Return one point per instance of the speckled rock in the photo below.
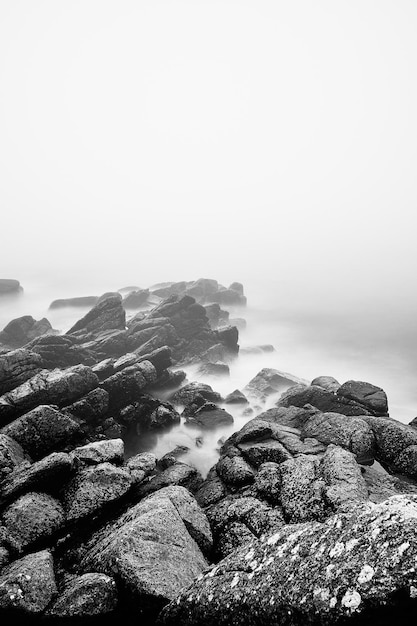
(327, 382)
(17, 366)
(33, 517)
(392, 440)
(326, 401)
(140, 466)
(11, 456)
(180, 474)
(92, 407)
(108, 451)
(187, 393)
(27, 585)
(92, 488)
(235, 471)
(42, 430)
(268, 482)
(358, 565)
(343, 477)
(374, 398)
(257, 453)
(212, 489)
(85, 596)
(302, 489)
(105, 315)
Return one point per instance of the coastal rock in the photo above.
(23, 329)
(111, 451)
(214, 370)
(372, 397)
(228, 297)
(11, 456)
(27, 585)
(188, 393)
(395, 443)
(149, 549)
(236, 397)
(179, 474)
(48, 474)
(85, 596)
(268, 382)
(140, 466)
(32, 518)
(357, 566)
(235, 471)
(326, 401)
(209, 418)
(108, 314)
(216, 315)
(148, 413)
(42, 430)
(9, 285)
(229, 336)
(127, 385)
(59, 351)
(16, 367)
(135, 299)
(92, 407)
(326, 382)
(80, 301)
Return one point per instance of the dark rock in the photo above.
(236, 397)
(267, 382)
(58, 387)
(21, 330)
(357, 567)
(140, 466)
(16, 367)
(160, 358)
(128, 384)
(28, 584)
(42, 430)
(187, 394)
(108, 314)
(235, 471)
(343, 477)
(11, 456)
(85, 596)
(257, 453)
(59, 351)
(81, 301)
(180, 474)
(373, 398)
(149, 413)
(111, 451)
(229, 336)
(209, 418)
(149, 549)
(32, 518)
(268, 482)
(324, 400)
(92, 488)
(45, 475)
(136, 299)
(125, 361)
(392, 442)
(108, 343)
(112, 429)
(212, 490)
(382, 485)
(92, 407)
(326, 382)
(170, 379)
(9, 285)
(170, 458)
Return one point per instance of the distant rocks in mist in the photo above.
(10, 286)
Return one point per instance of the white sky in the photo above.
(233, 139)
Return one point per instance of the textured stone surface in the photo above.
(111, 451)
(84, 596)
(17, 366)
(11, 456)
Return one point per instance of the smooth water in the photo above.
(369, 343)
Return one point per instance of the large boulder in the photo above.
(42, 430)
(59, 351)
(27, 585)
(108, 314)
(396, 445)
(189, 392)
(372, 397)
(16, 367)
(128, 384)
(23, 329)
(357, 566)
(58, 387)
(85, 596)
(268, 382)
(179, 474)
(149, 549)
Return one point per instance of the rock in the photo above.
(85, 596)
(11, 456)
(180, 474)
(262, 349)
(92, 407)
(28, 585)
(23, 329)
(92, 488)
(107, 343)
(111, 451)
(352, 433)
(9, 285)
(268, 482)
(148, 413)
(302, 490)
(228, 297)
(32, 518)
(81, 301)
(235, 471)
(42, 430)
(269, 381)
(382, 485)
(125, 361)
(202, 289)
(326, 382)
(236, 397)
(160, 359)
(257, 453)
(149, 550)
(326, 401)
(216, 315)
(49, 474)
(229, 336)
(55, 387)
(105, 315)
(59, 351)
(214, 369)
(140, 466)
(16, 367)
(392, 441)
(104, 369)
(128, 384)
(373, 398)
(210, 419)
(170, 458)
(135, 299)
(343, 476)
(357, 566)
(212, 490)
(187, 393)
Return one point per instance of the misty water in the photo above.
(320, 336)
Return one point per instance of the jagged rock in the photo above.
(140, 466)
(154, 553)
(92, 407)
(108, 343)
(373, 398)
(395, 444)
(343, 476)
(104, 369)
(160, 358)
(32, 518)
(127, 385)
(27, 585)
(136, 299)
(170, 458)
(94, 487)
(187, 394)
(58, 387)
(180, 474)
(9, 285)
(149, 413)
(85, 596)
(302, 490)
(170, 379)
(11, 456)
(357, 566)
(212, 489)
(382, 485)
(214, 369)
(326, 401)
(326, 382)
(45, 475)
(352, 433)
(229, 336)
(269, 381)
(216, 315)
(209, 417)
(236, 397)
(235, 471)
(16, 367)
(108, 314)
(23, 329)
(80, 301)
(111, 451)
(42, 430)
(59, 351)
(125, 361)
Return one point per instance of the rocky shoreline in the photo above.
(309, 516)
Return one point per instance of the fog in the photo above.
(274, 143)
